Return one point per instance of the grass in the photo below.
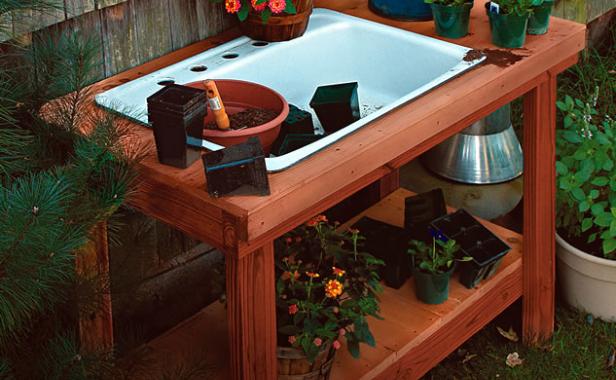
(580, 349)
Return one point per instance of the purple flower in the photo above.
(437, 234)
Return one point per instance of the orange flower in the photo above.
(312, 275)
(277, 6)
(233, 6)
(338, 272)
(317, 342)
(292, 339)
(317, 219)
(293, 309)
(333, 288)
(258, 7)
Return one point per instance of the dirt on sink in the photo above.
(498, 57)
(249, 118)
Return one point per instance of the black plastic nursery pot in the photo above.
(539, 21)
(336, 105)
(432, 288)
(476, 241)
(176, 112)
(298, 121)
(297, 131)
(237, 170)
(451, 21)
(420, 210)
(389, 243)
(508, 30)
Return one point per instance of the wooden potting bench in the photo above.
(413, 337)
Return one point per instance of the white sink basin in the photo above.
(392, 67)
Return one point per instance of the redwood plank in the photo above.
(539, 211)
(92, 263)
(251, 314)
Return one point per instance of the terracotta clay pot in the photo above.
(239, 95)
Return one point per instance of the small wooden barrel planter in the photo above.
(293, 364)
(281, 27)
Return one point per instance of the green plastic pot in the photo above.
(431, 288)
(539, 21)
(451, 21)
(508, 30)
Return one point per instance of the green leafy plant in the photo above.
(436, 258)
(452, 3)
(586, 175)
(326, 287)
(520, 7)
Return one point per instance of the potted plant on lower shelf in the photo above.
(586, 208)
(451, 17)
(509, 21)
(432, 267)
(326, 288)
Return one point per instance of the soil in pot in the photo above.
(540, 19)
(432, 289)
(248, 118)
(451, 21)
(293, 364)
(508, 30)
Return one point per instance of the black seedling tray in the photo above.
(389, 243)
(237, 170)
(476, 241)
(420, 210)
(336, 105)
(176, 98)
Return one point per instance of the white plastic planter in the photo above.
(587, 282)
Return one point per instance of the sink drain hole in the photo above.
(166, 82)
(198, 68)
(260, 43)
(230, 56)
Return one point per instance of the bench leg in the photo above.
(539, 212)
(251, 314)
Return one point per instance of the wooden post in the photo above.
(251, 314)
(92, 263)
(539, 211)
(389, 183)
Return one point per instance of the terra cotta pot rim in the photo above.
(583, 255)
(247, 131)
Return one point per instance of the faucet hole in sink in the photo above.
(260, 43)
(198, 68)
(166, 82)
(230, 56)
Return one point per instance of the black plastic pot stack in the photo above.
(176, 112)
(237, 170)
(476, 241)
(389, 243)
(420, 210)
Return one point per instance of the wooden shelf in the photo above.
(412, 337)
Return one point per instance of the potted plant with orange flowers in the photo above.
(271, 20)
(326, 288)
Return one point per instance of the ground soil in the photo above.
(498, 57)
(249, 118)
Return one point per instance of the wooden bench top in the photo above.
(242, 223)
